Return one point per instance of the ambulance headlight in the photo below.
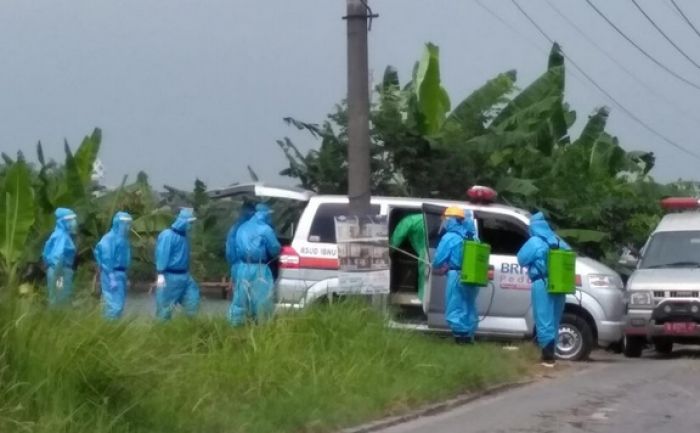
(640, 298)
(600, 281)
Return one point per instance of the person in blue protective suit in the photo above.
(175, 285)
(113, 256)
(59, 257)
(547, 308)
(460, 299)
(247, 212)
(256, 246)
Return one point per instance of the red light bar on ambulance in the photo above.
(680, 203)
(481, 194)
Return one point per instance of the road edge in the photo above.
(437, 408)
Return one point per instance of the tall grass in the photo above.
(311, 372)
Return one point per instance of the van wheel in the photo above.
(575, 340)
(664, 347)
(634, 346)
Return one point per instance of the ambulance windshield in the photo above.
(677, 249)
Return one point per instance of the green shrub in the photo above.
(313, 371)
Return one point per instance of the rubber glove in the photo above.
(112, 282)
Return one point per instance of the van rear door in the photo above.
(259, 189)
(287, 203)
(434, 296)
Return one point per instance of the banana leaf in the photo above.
(469, 115)
(16, 216)
(433, 101)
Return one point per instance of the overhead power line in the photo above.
(510, 26)
(619, 64)
(658, 29)
(685, 17)
(519, 33)
(642, 50)
(605, 92)
(669, 7)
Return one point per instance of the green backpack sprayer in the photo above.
(561, 265)
(475, 263)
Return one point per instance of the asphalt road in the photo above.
(612, 394)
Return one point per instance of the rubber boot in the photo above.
(549, 355)
(462, 339)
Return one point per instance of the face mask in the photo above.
(73, 226)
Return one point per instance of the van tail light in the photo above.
(579, 281)
(289, 259)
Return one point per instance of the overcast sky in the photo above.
(192, 88)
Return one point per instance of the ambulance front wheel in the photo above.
(575, 340)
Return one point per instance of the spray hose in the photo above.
(430, 265)
(413, 256)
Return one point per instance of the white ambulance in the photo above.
(664, 290)
(307, 270)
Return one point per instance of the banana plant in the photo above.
(66, 185)
(16, 219)
(516, 140)
(432, 99)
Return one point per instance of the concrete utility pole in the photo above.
(358, 12)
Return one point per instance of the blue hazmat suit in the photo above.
(113, 256)
(547, 308)
(173, 264)
(247, 212)
(256, 246)
(461, 311)
(59, 257)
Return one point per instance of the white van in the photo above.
(664, 294)
(307, 270)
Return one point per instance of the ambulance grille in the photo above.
(676, 294)
(683, 294)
